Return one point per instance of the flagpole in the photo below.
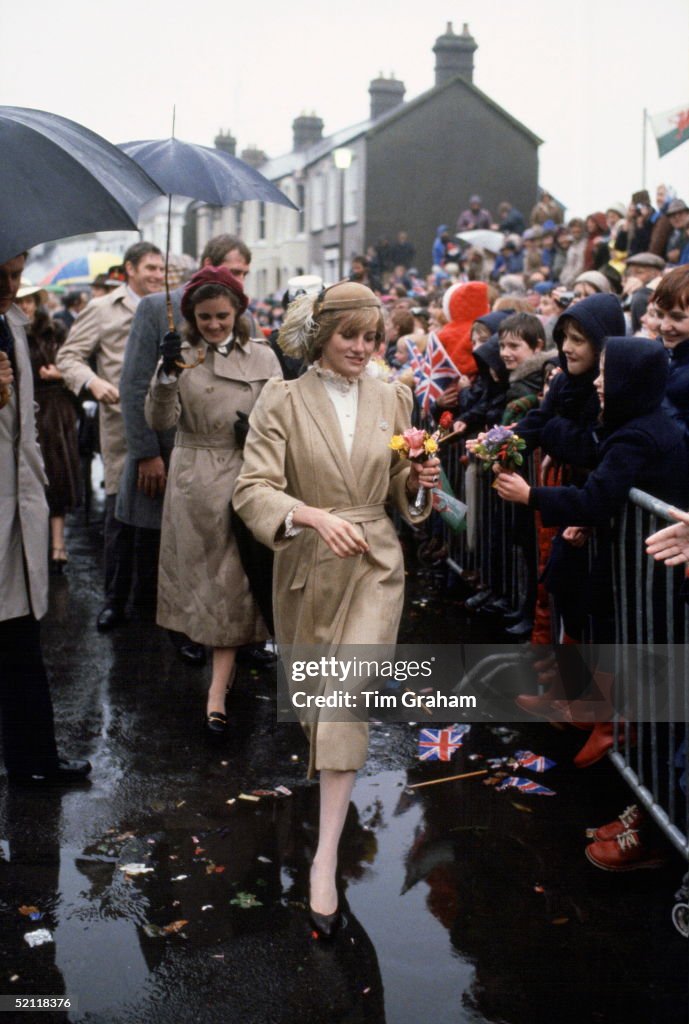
(643, 149)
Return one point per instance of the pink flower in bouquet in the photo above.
(415, 439)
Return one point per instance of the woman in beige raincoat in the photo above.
(318, 471)
(202, 588)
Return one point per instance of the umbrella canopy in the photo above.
(493, 241)
(199, 172)
(59, 179)
(83, 269)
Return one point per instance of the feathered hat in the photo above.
(301, 323)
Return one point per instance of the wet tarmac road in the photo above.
(463, 904)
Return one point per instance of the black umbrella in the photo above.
(209, 175)
(59, 179)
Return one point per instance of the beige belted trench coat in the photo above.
(295, 454)
(202, 588)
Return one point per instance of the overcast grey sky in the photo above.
(577, 73)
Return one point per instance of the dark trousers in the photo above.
(28, 733)
(130, 558)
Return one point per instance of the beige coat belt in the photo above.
(184, 439)
(361, 513)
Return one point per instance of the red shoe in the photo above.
(554, 710)
(626, 852)
(534, 705)
(598, 744)
(631, 817)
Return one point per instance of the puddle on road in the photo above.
(458, 904)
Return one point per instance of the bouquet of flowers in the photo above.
(500, 449)
(417, 445)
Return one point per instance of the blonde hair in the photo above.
(307, 327)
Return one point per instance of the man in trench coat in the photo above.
(101, 332)
(28, 733)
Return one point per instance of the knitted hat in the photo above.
(596, 280)
(212, 275)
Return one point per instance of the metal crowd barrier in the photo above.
(485, 552)
(651, 628)
(652, 633)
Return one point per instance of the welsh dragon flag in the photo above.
(671, 128)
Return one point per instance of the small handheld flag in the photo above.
(534, 762)
(441, 744)
(526, 786)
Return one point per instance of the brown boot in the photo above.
(631, 817)
(598, 744)
(626, 852)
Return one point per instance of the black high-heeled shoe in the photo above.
(216, 725)
(326, 926)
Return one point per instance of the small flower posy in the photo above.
(417, 445)
(500, 449)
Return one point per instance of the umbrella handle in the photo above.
(5, 393)
(200, 357)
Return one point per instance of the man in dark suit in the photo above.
(28, 733)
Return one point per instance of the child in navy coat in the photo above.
(639, 445)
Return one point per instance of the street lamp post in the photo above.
(343, 160)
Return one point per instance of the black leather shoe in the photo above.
(192, 654)
(187, 650)
(521, 629)
(65, 773)
(326, 926)
(108, 618)
(259, 657)
(476, 600)
(499, 606)
(216, 725)
(512, 618)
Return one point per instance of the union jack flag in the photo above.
(436, 372)
(440, 744)
(535, 762)
(525, 786)
(415, 361)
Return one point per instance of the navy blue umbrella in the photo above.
(199, 172)
(59, 179)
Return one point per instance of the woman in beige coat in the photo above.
(318, 471)
(202, 588)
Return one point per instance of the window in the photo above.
(261, 220)
(301, 203)
(351, 187)
(318, 203)
(333, 195)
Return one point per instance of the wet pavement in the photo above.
(169, 896)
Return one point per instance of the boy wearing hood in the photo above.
(482, 403)
(640, 446)
(671, 299)
(562, 426)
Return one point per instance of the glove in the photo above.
(241, 428)
(171, 350)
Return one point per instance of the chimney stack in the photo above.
(226, 142)
(454, 55)
(386, 94)
(307, 129)
(253, 156)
